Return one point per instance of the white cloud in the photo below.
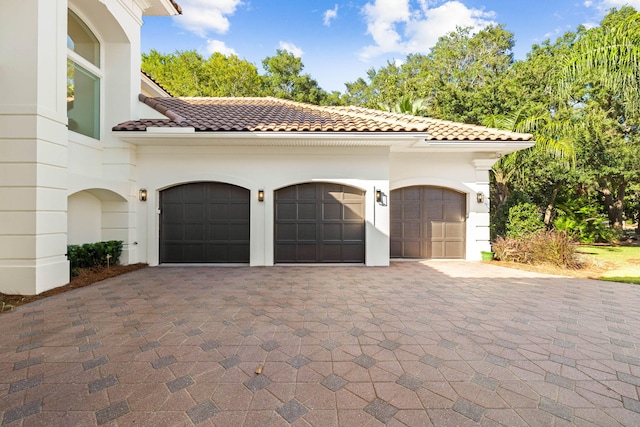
(204, 16)
(604, 5)
(219, 46)
(330, 15)
(396, 27)
(291, 48)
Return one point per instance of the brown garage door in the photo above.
(204, 222)
(319, 222)
(427, 222)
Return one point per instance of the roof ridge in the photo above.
(157, 105)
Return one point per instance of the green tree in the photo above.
(606, 59)
(188, 73)
(230, 76)
(284, 79)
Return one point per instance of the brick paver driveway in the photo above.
(418, 344)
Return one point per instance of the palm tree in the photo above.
(608, 59)
(407, 105)
(610, 55)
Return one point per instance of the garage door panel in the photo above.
(238, 252)
(218, 251)
(306, 192)
(396, 229)
(412, 211)
(437, 230)
(199, 221)
(174, 231)
(306, 232)
(412, 249)
(194, 192)
(353, 232)
(218, 232)
(306, 253)
(331, 232)
(451, 212)
(331, 211)
(307, 210)
(427, 222)
(350, 193)
(194, 232)
(432, 194)
(454, 230)
(287, 252)
(239, 211)
(433, 211)
(353, 211)
(411, 229)
(173, 212)
(239, 232)
(218, 211)
(328, 215)
(286, 211)
(194, 252)
(353, 252)
(194, 211)
(409, 194)
(286, 231)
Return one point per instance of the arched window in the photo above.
(83, 78)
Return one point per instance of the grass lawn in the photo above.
(612, 263)
(619, 263)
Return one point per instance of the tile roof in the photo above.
(279, 115)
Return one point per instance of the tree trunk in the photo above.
(615, 204)
(552, 204)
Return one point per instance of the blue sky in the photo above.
(339, 40)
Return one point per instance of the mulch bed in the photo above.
(86, 277)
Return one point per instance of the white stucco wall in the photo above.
(41, 162)
(267, 168)
(84, 219)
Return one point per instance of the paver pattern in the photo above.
(415, 344)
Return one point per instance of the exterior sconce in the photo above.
(143, 195)
(261, 195)
(381, 198)
(480, 197)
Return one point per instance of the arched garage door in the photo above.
(319, 222)
(427, 222)
(204, 222)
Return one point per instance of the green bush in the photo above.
(93, 255)
(524, 219)
(540, 247)
(586, 224)
(500, 215)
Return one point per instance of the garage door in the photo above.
(427, 222)
(319, 222)
(204, 222)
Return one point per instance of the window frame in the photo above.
(98, 72)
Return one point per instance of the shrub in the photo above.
(500, 215)
(586, 224)
(93, 254)
(524, 219)
(540, 247)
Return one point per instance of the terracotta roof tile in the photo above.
(279, 115)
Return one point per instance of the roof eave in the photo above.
(398, 141)
(188, 136)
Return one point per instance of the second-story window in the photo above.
(83, 78)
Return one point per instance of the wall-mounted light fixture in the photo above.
(261, 195)
(379, 196)
(143, 195)
(480, 197)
